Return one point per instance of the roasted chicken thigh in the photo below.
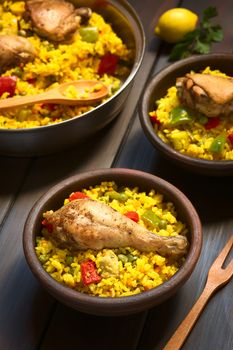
(209, 94)
(55, 20)
(15, 50)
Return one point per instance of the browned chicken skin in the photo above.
(209, 94)
(15, 50)
(88, 224)
(56, 20)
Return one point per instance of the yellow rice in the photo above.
(192, 138)
(148, 270)
(58, 63)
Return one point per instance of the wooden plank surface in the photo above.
(92, 332)
(11, 177)
(29, 317)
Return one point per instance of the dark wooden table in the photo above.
(32, 319)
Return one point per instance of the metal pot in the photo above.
(53, 138)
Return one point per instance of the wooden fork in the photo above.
(217, 277)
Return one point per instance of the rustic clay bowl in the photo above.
(54, 138)
(54, 198)
(157, 88)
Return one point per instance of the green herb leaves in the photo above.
(199, 41)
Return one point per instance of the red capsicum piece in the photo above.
(212, 123)
(48, 226)
(108, 64)
(8, 84)
(50, 106)
(230, 138)
(89, 272)
(154, 118)
(133, 215)
(31, 81)
(77, 195)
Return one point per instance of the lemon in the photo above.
(175, 23)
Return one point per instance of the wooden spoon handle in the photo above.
(21, 101)
(180, 335)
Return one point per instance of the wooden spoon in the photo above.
(88, 92)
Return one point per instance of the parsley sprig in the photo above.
(199, 41)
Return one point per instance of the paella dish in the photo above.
(195, 117)
(112, 241)
(46, 43)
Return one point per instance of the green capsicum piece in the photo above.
(217, 144)
(120, 196)
(180, 115)
(152, 219)
(89, 34)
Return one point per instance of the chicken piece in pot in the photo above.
(15, 50)
(56, 20)
(209, 94)
(88, 224)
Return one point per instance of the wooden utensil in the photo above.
(217, 277)
(88, 92)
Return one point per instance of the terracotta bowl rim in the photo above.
(69, 296)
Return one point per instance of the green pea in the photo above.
(203, 119)
(123, 258)
(38, 240)
(163, 224)
(18, 72)
(23, 114)
(43, 258)
(123, 197)
(131, 257)
(22, 32)
(69, 260)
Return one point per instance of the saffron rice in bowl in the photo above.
(138, 240)
(187, 113)
(121, 271)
